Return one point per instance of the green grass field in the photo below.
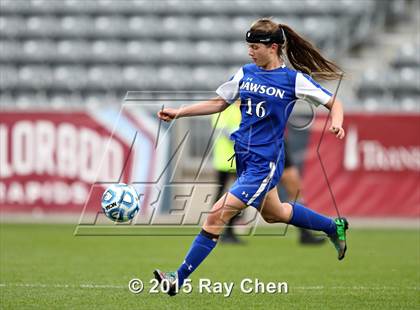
(45, 266)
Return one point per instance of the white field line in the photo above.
(108, 286)
(98, 286)
(361, 288)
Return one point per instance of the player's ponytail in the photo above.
(305, 57)
(302, 54)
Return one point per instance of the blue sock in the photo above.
(306, 218)
(200, 248)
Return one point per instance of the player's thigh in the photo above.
(290, 179)
(222, 211)
(273, 210)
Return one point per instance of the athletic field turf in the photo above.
(45, 266)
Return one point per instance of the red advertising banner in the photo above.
(49, 160)
(373, 172)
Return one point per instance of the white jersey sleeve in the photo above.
(229, 90)
(307, 89)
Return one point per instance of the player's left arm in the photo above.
(309, 90)
(337, 116)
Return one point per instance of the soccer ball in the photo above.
(120, 202)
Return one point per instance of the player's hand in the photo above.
(338, 131)
(168, 114)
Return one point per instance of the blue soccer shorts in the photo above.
(256, 175)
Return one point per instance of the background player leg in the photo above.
(291, 181)
(226, 178)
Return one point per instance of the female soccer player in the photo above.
(267, 90)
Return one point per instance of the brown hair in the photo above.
(302, 54)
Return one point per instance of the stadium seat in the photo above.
(43, 6)
(320, 29)
(408, 56)
(173, 44)
(143, 51)
(108, 51)
(174, 78)
(209, 7)
(9, 77)
(213, 27)
(238, 52)
(74, 51)
(77, 7)
(6, 98)
(43, 26)
(11, 51)
(112, 6)
(13, 7)
(176, 51)
(373, 83)
(105, 77)
(144, 27)
(110, 26)
(409, 80)
(76, 26)
(35, 77)
(240, 24)
(70, 77)
(59, 101)
(139, 78)
(39, 50)
(25, 101)
(410, 103)
(209, 77)
(211, 51)
(380, 103)
(146, 7)
(12, 26)
(176, 27)
(32, 100)
(95, 99)
(178, 6)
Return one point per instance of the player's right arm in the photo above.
(227, 93)
(215, 105)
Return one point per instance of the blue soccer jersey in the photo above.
(267, 99)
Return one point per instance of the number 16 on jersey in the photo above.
(259, 108)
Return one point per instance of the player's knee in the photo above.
(214, 219)
(270, 219)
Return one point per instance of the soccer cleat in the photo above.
(170, 277)
(339, 238)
